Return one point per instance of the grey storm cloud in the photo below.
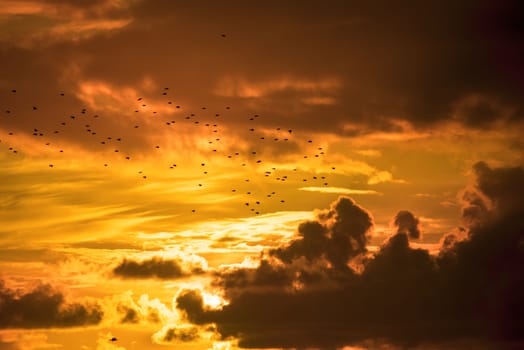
(155, 267)
(44, 307)
(300, 296)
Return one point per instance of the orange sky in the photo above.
(189, 174)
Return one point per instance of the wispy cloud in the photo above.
(339, 190)
(243, 88)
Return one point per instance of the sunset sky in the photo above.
(261, 174)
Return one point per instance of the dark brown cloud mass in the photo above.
(362, 66)
(306, 295)
(180, 334)
(338, 235)
(155, 267)
(407, 223)
(43, 307)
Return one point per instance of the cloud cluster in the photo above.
(172, 334)
(337, 235)
(370, 69)
(407, 223)
(305, 294)
(156, 267)
(43, 307)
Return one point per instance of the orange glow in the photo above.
(176, 175)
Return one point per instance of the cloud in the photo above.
(305, 293)
(245, 89)
(155, 267)
(172, 334)
(43, 307)
(34, 23)
(373, 153)
(124, 309)
(192, 303)
(380, 176)
(381, 70)
(25, 340)
(130, 314)
(495, 195)
(337, 235)
(339, 190)
(407, 223)
(502, 186)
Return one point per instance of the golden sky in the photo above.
(261, 174)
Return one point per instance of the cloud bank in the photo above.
(43, 307)
(323, 289)
(156, 267)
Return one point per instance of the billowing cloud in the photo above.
(403, 295)
(177, 334)
(339, 234)
(502, 186)
(125, 309)
(155, 267)
(43, 307)
(406, 222)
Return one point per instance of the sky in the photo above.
(261, 174)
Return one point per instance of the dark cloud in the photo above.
(154, 267)
(192, 303)
(339, 234)
(503, 186)
(475, 208)
(425, 63)
(319, 256)
(410, 61)
(187, 334)
(479, 113)
(495, 195)
(407, 223)
(299, 297)
(130, 315)
(486, 265)
(43, 307)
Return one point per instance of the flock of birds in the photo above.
(90, 124)
(11, 130)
